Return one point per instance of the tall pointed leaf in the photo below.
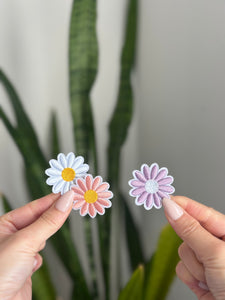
(122, 115)
(83, 62)
(35, 164)
(134, 288)
(163, 265)
(121, 119)
(54, 136)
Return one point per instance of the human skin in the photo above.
(202, 253)
(23, 233)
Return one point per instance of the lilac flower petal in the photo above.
(146, 171)
(141, 199)
(154, 171)
(166, 180)
(136, 183)
(139, 176)
(62, 160)
(162, 194)
(149, 202)
(157, 201)
(137, 191)
(167, 188)
(161, 174)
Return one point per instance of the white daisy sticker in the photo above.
(64, 171)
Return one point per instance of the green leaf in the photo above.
(119, 124)
(163, 265)
(54, 136)
(133, 238)
(42, 287)
(83, 62)
(122, 115)
(134, 288)
(35, 165)
(6, 204)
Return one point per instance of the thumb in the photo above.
(49, 222)
(190, 231)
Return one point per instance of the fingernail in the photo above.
(203, 286)
(65, 201)
(173, 210)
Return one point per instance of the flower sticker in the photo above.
(64, 171)
(91, 196)
(151, 185)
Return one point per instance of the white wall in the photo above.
(179, 86)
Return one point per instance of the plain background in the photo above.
(179, 88)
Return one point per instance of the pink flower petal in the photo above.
(137, 191)
(92, 210)
(99, 208)
(106, 194)
(149, 201)
(157, 201)
(78, 197)
(141, 199)
(81, 185)
(154, 171)
(136, 183)
(162, 173)
(84, 209)
(78, 204)
(77, 190)
(88, 182)
(103, 187)
(104, 202)
(96, 182)
(166, 180)
(146, 171)
(139, 176)
(167, 188)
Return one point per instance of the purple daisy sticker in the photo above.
(151, 185)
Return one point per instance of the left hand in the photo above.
(23, 233)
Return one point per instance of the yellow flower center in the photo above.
(90, 196)
(68, 174)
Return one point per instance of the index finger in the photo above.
(212, 220)
(189, 229)
(23, 216)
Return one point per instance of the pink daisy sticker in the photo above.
(91, 196)
(151, 185)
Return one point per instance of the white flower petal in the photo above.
(70, 159)
(55, 164)
(58, 186)
(62, 160)
(65, 188)
(82, 169)
(53, 172)
(77, 162)
(53, 180)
